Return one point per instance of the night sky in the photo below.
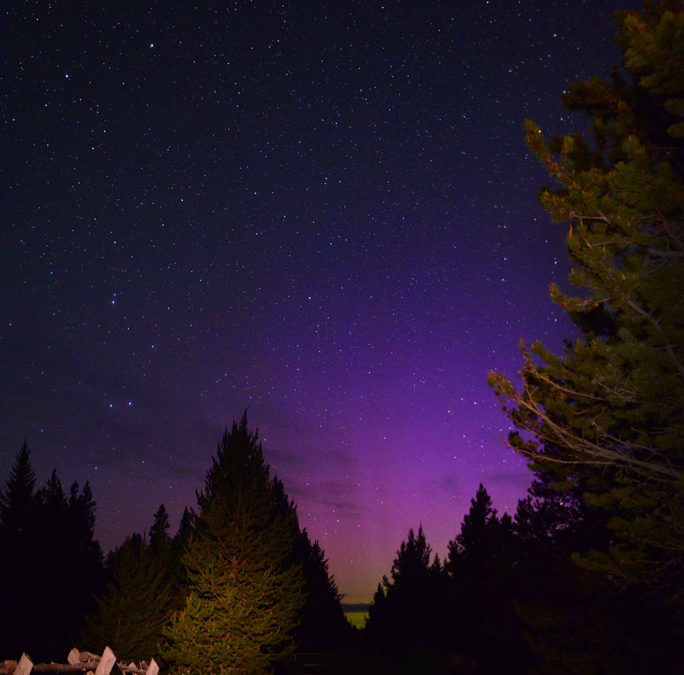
(323, 212)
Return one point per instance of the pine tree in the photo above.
(178, 578)
(553, 594)
(407, 614)
(378, 630)
(141, 592)
(159, 532)
(244, 596)
(18, 537)
(554, 521)
(481, 564)
(54, 585)
(70, 578)
(482, 552)
(323, 626)
(134, 606)
(610, 408)
(472, 548)
(54, 566)
(17, 499)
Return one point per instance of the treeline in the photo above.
(509, 597)
(240, 585)
(50, 562)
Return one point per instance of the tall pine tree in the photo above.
(610, 408)
(406, 619)
(481, 566)
(17, 499)
(244, 594)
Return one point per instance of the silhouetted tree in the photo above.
(73, 576)
(53, 566)
(159, 532)
(553, 521)
(406, 617)
(573, 619)
(135, 604)
(482, 566)
(178, 578)
(244, 596)
(18, 537)
(17, 498)
(185, 528)
(472, 549)
(323, 626)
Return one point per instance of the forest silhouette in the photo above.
(507, 597)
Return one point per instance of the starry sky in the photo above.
(322, 211)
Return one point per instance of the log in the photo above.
(78, 662)
(12, 668)
(64, 667)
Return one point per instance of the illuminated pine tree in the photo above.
(243, 595)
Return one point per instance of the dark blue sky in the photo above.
(322, 211)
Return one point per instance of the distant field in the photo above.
(357, 619)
